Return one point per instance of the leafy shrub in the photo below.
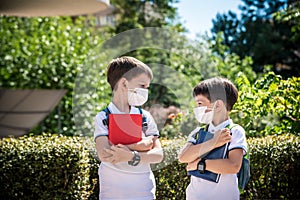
(60, 167)
(93, 166)
(44, 167)
(270, 106)
(275, 167)
(171, 177)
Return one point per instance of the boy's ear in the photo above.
(219, 105)
(122, 82)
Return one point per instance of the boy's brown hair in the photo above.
(127, 67)
(218, 89)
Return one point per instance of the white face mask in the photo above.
(202, 116)
(137, 96)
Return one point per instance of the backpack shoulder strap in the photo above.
(244, 172)
(106, 120)
(144, 120)
(205, 127)
(107, 111)
(231, 126)
(199, 136)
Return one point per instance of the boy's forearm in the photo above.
(101, 144)
(221, 166)
(191, 152)
(144, 145)
(155, 155)
(138, 147)
(188, 154)
(231, 165)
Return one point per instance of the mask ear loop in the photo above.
(215, 105)
(211, 109)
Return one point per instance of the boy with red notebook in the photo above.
(126, 136)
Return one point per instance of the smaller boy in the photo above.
(215, 98)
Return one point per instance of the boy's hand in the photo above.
(120, 153)
(192, 165)
(144, 145)
(147, 142)
(221, 137)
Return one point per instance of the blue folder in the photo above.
(217, 153)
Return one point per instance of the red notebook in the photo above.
(125, 128)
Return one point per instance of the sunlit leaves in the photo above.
(46, 53)
(270, 106)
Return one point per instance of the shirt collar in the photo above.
(212, 128)
(113, 109)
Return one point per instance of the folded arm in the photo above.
(123, 153)
(231, 165)
(191, 152)
(144, 145)
(102, 143)
(154, 155)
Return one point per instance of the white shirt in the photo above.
(227, 187)
(101, 130)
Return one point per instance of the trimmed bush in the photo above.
(44, 167)
(60, 167)
(171, 176)
(275, 170)
(272, 156)
(275, 167)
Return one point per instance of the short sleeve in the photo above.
(152, 127)
(238, 139)
(100, 128)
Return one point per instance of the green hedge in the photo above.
(275, 167)
(275, 171)
(60, 167)
(44, 167)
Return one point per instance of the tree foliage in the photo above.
(45, 53)
(270, 106)
(52, 52)
(178, 67)
(292, 15)
(259, 35)
(145, 13)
